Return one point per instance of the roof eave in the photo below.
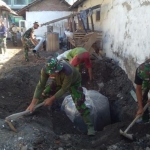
(77, 3)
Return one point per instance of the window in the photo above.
(98, 15)
(8, 2)
(30, 1)
(19, 2)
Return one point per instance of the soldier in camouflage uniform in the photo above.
(29, 40)
(13, 35)
(142, 81)
(3, 36)
(65, 77)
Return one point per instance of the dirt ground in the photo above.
(50, 128)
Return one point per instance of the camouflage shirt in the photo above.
(143, 71)
(28, 33)
(66, 78)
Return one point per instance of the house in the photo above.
(5, 12)
(126, 29)
(44, 11)
(17, 4)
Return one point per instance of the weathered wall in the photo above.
(126, 30)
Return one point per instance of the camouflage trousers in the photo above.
(77, 94)
(3, 46)
(14, 38)
(78, 97)
(27, 45)
(145, 90)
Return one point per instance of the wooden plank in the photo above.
(87, 23)
(92, 22)
(56, 20)
(72, 21)
(90, 42)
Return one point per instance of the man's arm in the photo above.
(33, 38)
(90, 73)
(41, 84)
(138, 81)
(39, 89)
(65, 86)
(3, 31)
(139, 99)
(88, 65)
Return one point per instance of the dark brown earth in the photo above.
(50, 128)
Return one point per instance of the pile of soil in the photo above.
(49, 128)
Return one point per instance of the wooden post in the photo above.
(92, 22)
(72, 23)
(87, 23)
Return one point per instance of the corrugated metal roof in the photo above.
(4, 6)
(77, 3)
(23, 10)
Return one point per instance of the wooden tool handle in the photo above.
(137, 117)
(16, 115)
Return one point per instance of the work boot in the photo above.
(89, 123)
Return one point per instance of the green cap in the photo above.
(53, 66)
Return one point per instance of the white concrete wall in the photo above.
(45, 16)
(126, 30)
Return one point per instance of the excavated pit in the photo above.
(50, 128)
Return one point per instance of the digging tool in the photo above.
(130, 136)
(12, 117)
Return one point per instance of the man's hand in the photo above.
(49, 101)
(140, 111)
(31, 107)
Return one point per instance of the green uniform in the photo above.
(67, 79)
(13, 36)
(143, 78)
(74, 52)
(27, 43)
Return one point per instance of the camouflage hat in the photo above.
(53, 66)
(36, 23)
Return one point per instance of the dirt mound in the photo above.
(50, 128)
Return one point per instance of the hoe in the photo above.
(130, 136)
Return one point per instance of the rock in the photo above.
(60, 148)
(65, 137)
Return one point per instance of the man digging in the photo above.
(29, 40)
(142, 81)
(65, 77)
(77, 56)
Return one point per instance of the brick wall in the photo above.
(50, 5)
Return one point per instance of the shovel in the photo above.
(130, 136)
(12, 117)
